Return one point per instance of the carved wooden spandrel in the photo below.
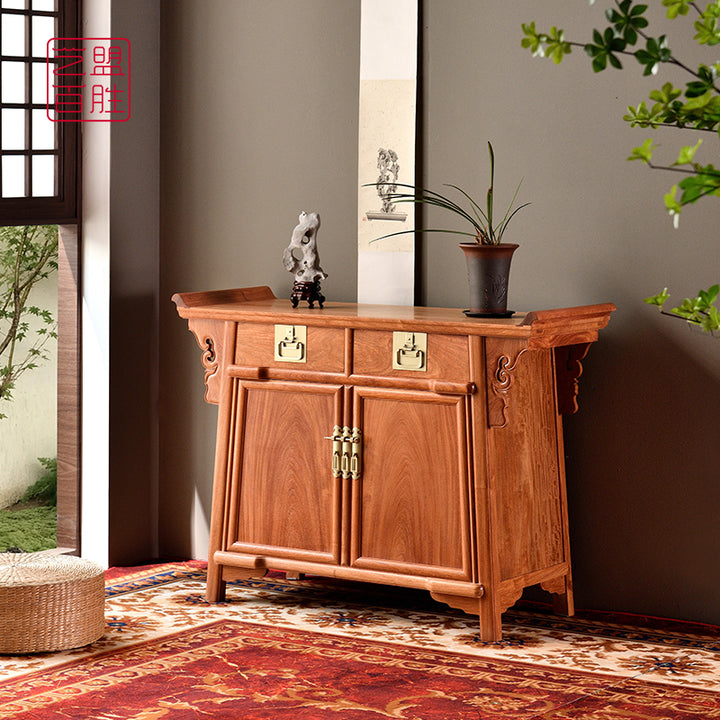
(568, 369)
(209, 336)
(501, 362)
(562, 594)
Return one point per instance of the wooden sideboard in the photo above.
(408, 446)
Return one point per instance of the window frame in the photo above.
(64, 210)
(63, 207)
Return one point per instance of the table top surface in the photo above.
(259, 305)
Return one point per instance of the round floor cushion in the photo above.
(49, 602)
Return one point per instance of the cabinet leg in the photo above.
(562, 595)
(490, 621)
(215, 590)
(490, 617)
(294, 575)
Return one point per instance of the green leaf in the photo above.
(673, 207)
(533, 40)
(687, 153)
(708, 32)
(666, 94)
(658, 299)
(557, 47)
(705, 181)
(656, 51)
(642, 117)
(676, 7)
(711, 322)
(711, 294)
(604, 48)
(627, 20)
(704, 83)
(699, 102)
(643, 152)
(701, 309)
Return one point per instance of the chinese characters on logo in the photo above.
(88, 79)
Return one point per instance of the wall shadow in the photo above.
(643, 475)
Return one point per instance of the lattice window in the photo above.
(38, 157)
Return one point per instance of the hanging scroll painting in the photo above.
(386, 150)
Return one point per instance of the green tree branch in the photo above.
(28, 255)
(696, 108)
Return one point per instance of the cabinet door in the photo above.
(284, 501)
(410, 504)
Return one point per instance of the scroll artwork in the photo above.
(386, 150)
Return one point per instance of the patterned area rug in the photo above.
(315, 649)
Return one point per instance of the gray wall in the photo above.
(259, 122)
(259, 104)
(134, 271)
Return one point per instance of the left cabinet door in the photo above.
(283, 499)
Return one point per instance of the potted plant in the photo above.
(488, 258)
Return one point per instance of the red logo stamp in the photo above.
(88, 79)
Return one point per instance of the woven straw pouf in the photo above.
(49, 602)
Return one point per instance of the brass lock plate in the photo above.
(291, 343)
(409, 351)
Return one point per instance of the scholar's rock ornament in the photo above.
(301, 258)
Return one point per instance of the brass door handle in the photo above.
(346, 452)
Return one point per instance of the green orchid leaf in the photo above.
(483, 229)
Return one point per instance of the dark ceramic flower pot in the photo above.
(488, 273)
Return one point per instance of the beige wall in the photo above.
(259, 104)
(30, 431)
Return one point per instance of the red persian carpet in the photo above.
(315, 649)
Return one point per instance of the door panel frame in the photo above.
(238, 418)
(467, 570)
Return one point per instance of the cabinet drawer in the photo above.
(290, 347)
(431, 356)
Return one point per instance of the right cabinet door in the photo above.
(410, 504)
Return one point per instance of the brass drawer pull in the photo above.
(409, 351)
(291, 343)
